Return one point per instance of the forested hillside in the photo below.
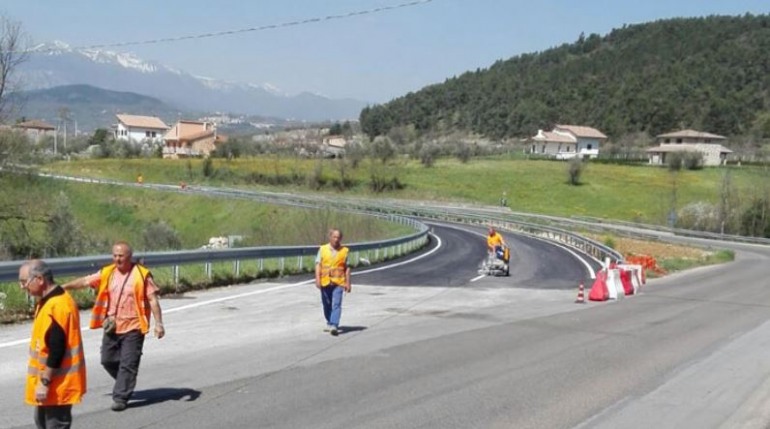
(711, 74)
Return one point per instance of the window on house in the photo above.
(590, 146)
(154, 134)
(147, 134)
(667, 141)
(679, 140)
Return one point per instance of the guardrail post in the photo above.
(261, 265)
(176, 274)
(237, 268)
(207, 268)
(299, 263)
(283, 262)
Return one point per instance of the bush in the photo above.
(428, 154)
(575, 170)
(161, 236)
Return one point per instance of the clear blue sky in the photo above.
(372, 57)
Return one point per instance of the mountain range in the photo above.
(58, 64)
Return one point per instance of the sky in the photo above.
(372, 57)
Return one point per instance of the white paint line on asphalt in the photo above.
(438, 246)
(261, 291)
(478, 278)
(13, 343)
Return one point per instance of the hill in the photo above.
(89, 106)
(709, 73)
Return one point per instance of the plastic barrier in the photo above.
(599, 290)
(637, 275)
(625, 281)
(614, 285)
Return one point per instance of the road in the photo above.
(428, 344)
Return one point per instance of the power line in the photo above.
(242, 30)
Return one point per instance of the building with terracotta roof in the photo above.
(138, 128)
(191, 139)
(710, 145)
(568, 141)
(35, 129)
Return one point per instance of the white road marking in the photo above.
(478, 278)
(261, 291)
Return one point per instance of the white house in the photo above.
(137, 128)
(568, 141)
(710, 145)
(333, 146)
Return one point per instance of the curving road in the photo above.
(692, 351)
(456, 252)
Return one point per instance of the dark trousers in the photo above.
(53, 417)
(121, 354)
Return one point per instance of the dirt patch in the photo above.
(656, 249)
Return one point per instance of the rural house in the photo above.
(710, 145)
(135, 128)
(568, 141)
(333, 146)
(35, 129)
(191, 139)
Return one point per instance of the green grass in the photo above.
(633, 193)
(680, 264)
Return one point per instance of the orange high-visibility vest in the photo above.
(102, 303)
(68, 382)
(333, 266)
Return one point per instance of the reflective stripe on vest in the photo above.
(333, 265)
(68, 382)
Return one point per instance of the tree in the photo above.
(575, 170)
(382, 149)
(13, 52)
(65, 235)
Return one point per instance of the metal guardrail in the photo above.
(395, 211)
(90, 264)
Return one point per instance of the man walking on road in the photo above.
(56, 371)
(126, 295)
(332, 277)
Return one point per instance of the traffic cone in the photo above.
(581, 298)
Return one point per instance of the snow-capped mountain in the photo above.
(58, 64)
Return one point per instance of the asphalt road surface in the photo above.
(428, 343)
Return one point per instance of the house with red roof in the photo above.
(191, 139)
(35, 129)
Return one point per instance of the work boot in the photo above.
(118, 406)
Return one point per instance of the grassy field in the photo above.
(107, 213)
(635, 193)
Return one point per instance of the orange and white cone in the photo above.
(581, 297)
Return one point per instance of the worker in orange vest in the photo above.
(332, 277)
(126, 298)
(56, 371)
